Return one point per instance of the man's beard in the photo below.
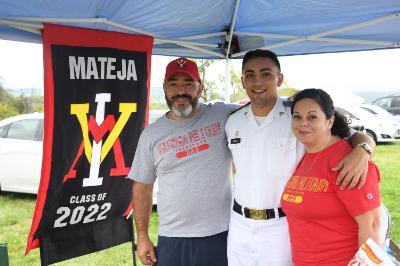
(182, 111)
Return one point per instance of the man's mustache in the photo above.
(182, 96)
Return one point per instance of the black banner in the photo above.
(96, 95)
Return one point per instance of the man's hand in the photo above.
(353, 169)
(145, 251)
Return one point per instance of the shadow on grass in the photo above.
(15, 195)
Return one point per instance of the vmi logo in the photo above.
(96, 152)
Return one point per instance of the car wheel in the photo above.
(372, 135)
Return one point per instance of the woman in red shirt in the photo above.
(326, 224)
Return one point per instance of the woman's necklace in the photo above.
(307, 169)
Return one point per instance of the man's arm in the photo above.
(354, 167)
(142, 203)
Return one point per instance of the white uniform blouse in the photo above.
(264, 156)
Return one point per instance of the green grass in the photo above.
(387, 158)
(16, 212)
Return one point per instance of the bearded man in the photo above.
(186, 151)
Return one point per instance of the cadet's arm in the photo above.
(354, 167)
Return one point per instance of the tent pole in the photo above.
(206, 51)
(133, 247)
(227, 80)
(232, 27)
(228, 52)
(321, 39)
(21, 23)
(202, 36)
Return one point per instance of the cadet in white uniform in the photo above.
(265, 154)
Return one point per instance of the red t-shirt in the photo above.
(320, 214)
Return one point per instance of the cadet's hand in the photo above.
(353, 169)
(145, 251)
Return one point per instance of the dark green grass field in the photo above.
(16, 212)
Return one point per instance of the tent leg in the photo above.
(227, 80)
(133, 244)
(3, 254)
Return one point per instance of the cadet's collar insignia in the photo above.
(237, 133)
(181, 62)
(288, 103)
(245, 113)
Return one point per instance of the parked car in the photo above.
(353, 121)
(21, 153)
(155, 114)
(390, 103)
(379, 130)
(21, 143)
(382, 114)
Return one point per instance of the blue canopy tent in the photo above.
(203, 28)
(219, 28)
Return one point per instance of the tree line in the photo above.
(11, 105)
(14, 105)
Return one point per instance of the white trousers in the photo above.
(258, 242)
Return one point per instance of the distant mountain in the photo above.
(26, 92)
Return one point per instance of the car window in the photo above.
(3, 131)
(384, 103)
(40, 130)
(23, 129)
(395, 102)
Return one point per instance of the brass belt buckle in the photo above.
(258, 214)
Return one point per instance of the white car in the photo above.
(153, 116)
(381, 113)
(21, 141)
(21, 144)
(353, 121)
(379, 129)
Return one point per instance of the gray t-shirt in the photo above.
(192, 162)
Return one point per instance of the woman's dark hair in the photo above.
(340, 127)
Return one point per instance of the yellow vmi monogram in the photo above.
(96, 152)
